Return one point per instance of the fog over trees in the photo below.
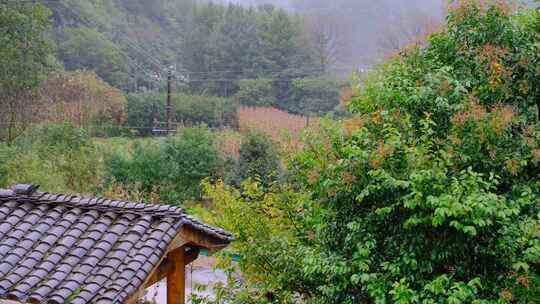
(366, 31)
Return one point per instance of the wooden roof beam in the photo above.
(167, 266)
(202, 240)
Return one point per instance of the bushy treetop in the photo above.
(431, 193)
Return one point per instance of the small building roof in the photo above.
(60, 248)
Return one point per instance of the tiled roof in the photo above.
(60, 248)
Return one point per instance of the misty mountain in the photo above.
(368, 29)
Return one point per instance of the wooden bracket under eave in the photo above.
(170, 264)
(167, 266)
(202, 240)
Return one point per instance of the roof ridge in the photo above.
(103, 204)
(97, 202)
(89, 201)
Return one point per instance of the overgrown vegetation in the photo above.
(145, 109)
(82, 99)
(58, 157)
(25, 58)
(429, 194)
(270, 48)
(172, 168)
(258, 161)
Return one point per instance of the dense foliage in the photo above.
(123, 39)
(173, 168)
(82, 99)
(86, 48)
(254, 53)
(59, 157)
(63, 158)
(262, 42)
(429, 194)
(258, 161)
(256, 92)
(536, 25)
(188, 110)
(25, 58)
(314, 96)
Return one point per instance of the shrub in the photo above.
(5, 155)
(53, 138)
(144, 168)
(216, 112)
(258, 161)
(267, 224)
(141, 109)
(256, 92)
(59, 157)
(193, 157)
(314, 96)
(172, 168)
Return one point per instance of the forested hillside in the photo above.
(256, 56)
(131, 43)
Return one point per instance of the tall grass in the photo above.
(281, 126)
(228, 143)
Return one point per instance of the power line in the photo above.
(129, 42)
(132, 44)
(32, 1)
(131, 64)
(126, 39)
(161, 68)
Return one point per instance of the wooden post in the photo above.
(176, 279)
(169, 104)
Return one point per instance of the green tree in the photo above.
(87, 48)
(313, 96)
(258, 161)
(256, 92)
(429, 194)
(263, 42)
(25, 58)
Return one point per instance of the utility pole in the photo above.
(155, 119)
(169, 104)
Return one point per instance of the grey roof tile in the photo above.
(92, 250)
(5, 268)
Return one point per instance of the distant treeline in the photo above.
(130, 43)
(308, 96)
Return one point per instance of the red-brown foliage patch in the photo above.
(281, 126)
